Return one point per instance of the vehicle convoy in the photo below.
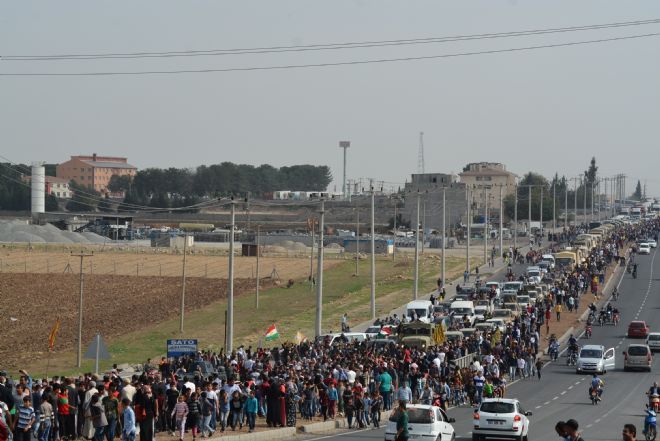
(500, 418)
(424, 422)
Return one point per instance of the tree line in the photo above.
(181, 187)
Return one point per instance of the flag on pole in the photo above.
(439, 334)
(53, 334)
(300, 337)
(271, 333)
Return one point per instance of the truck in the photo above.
(417, 334)
(566, 259)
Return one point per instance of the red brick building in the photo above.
(94, 171)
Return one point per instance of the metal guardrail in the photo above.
(465, 361)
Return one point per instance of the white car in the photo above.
(644, 248)
(499, 323)
(500, 418)
(495, 285)
(653, 341)
(652, 243)
(424, 423)
(595, 359)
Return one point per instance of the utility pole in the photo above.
(344, 145)
(444, 234)
(416, 276)
(357, 243)
(486, 231)
(80, 305)
(423, 236)
(501, 224)
(554, 207)
(230, 282)
(256, 298)
(311, 254)
(575, 216)
(468, 196)
(584, 185)
(319, 269)
(373, 257)
(394, 238)
(541, 212)
(565, 204)
(183, 284)
(592, 201)
(529, 211)
(515, 217)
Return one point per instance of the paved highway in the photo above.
(562, 394)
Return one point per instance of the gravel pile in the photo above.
(21, 231)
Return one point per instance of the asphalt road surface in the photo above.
(562, 394)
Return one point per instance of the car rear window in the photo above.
(637, 350)
(415, 416)
(497, 407)
(637, 325)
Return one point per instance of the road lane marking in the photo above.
(597, 421)
(546, 403)
(577, 382)
(538, 407)
(571, 386)
(589, 426)
(564, 392)
(555, 398)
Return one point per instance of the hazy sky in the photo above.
(545, 110)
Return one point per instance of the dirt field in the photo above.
(114, 305)
(150, 262)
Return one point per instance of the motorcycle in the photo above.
(616, 318)
(615, 295)
(571, 359)
(654, 401)
(593, 396)
(587, 331)
(554, 351)
(650, 423)
(601, 319)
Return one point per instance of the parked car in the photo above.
(638, 329)
(424, 422)
(498, 418)
(637, 357)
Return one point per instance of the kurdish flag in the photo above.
(384, 332)
(272, 334)
(300, 337)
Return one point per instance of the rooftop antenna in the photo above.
(420, 154)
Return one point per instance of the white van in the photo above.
(595, 359)
(421, 310)
(550, 259)
(461, 308)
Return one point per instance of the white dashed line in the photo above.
(555, 398)
(563, 393)
(577, 382)
(589, 426)
(546, 403)
(597, 421)
(538, 407)
(571, 387)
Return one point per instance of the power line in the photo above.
(328, 64)
(324, 46)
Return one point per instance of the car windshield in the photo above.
(654, 337)
(418, 311)
(483, 303)
(500, 313)
(637, 350)
(533, 273)
(591, 353)
(462, 311)
(415, 416)
(513, 286)
(372, 329)
(497, 407)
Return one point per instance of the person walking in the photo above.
(26, 419)
(251, 408)
(99, 420)
(128, 429)
(558, 311)
(402, 423)
(179, 414)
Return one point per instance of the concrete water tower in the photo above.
(38, 189)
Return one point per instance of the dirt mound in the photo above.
(113, 305)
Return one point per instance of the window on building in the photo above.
(434, 180)
(82, 178)
(58, 195)
(488, 178)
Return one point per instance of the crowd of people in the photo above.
(313, 379)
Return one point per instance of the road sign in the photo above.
(179, 347)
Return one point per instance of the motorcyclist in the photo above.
(634, 271)
(654, 390)
(597, 385)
